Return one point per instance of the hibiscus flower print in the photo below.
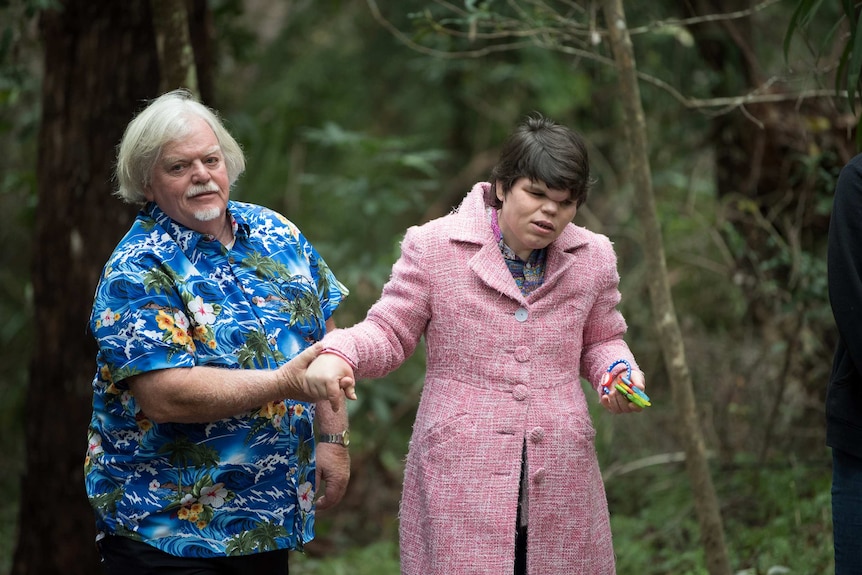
(181, 321)
(203, 313)
(214, 495)
(107, 318)
(305, 492)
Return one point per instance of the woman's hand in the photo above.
(327, 368)
(616, 402)
(299, 381)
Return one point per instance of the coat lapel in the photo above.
(471, 227)
(561, 256)
(489, 266)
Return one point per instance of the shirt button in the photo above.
(521, 392)
(521, 314)
(537, 434)
(522, 354)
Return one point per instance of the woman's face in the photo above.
(533, 215)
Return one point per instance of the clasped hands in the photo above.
(314, 376)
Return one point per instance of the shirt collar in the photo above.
(187, 238)
(536, 256)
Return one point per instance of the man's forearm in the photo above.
(329, 421)
(202, 394)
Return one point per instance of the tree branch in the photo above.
(543, 37)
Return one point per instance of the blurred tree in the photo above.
(176, 57)
(19, 119)
(775, 165)
(667, 323)
(100, 66)
(844, 35)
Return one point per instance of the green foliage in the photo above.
(776, 515)
(848, 76)
(380, 558)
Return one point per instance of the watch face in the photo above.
(345, 437)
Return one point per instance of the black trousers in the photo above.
(521, 551)
(126, 556)
(521, 530)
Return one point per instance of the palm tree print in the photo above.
(261, 538)
(183, 453)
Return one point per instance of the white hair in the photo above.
(163, 121)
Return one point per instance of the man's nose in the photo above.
(200, 174)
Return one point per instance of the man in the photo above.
(844, 393)
(201, 450)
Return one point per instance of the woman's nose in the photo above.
(550, 207)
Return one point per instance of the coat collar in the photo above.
(471, 226)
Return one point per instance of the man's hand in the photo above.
(333, 467)
(295, 384)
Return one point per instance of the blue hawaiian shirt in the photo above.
(171, 297)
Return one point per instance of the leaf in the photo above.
(855, 64)
(805, 11)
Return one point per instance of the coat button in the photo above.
(537, 434)
(521, 392)
(521, 314)
(522, 354)
(539, 475)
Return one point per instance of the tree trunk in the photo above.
(705, 499)
(100, 67)
(176, 56)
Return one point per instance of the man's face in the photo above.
(190, 182)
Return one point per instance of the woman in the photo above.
(516, 304)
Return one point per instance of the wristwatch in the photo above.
(342, 438)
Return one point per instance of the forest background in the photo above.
(360, 120)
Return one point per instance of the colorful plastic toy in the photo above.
(623, 384)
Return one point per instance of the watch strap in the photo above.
(342, 438)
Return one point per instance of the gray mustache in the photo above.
(198, 190)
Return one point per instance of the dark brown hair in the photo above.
(542, 150)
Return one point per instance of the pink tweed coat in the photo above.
(502, 371)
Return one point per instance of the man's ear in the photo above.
(148, 193)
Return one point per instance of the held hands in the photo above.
(614, 400)
(297, 382)
(329, 367)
